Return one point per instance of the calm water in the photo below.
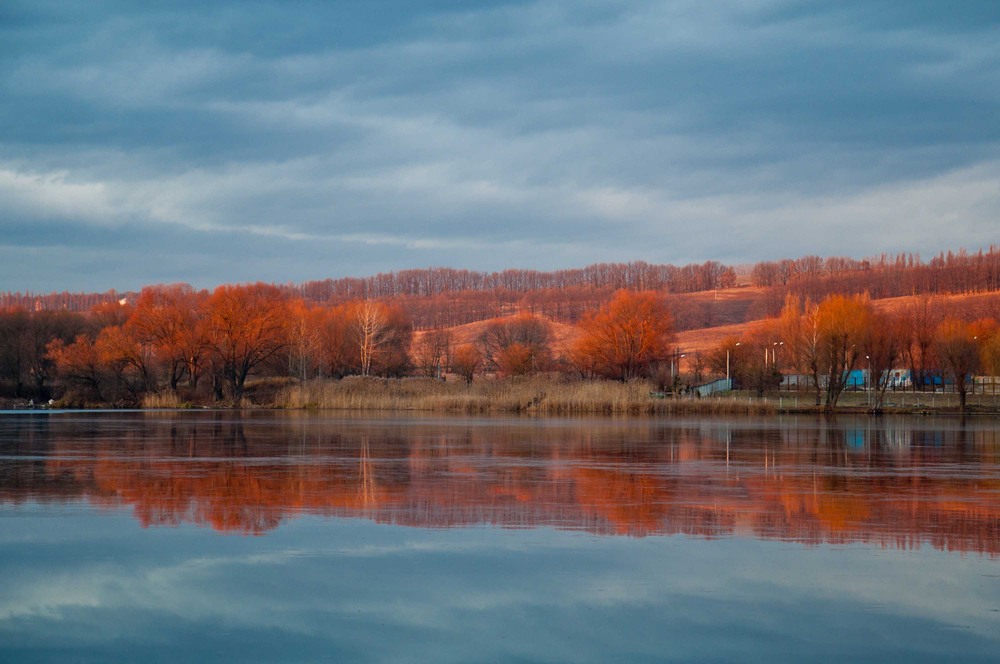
(299, 537)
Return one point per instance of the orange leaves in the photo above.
(625, 336)
(843, 323)
(81, 365)
(466, 361)
(517, 359)
(956, 343)
(518, 345)
(247, 325)
(172, 320)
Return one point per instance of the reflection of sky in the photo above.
(98, 586)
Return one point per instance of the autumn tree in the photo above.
(336, 345)
(129, 359)
(432, 351)
(989, 355)
(728, 357)
(109, 314)
(798, 327)
(757, 367)
(626, 336)
(843, 323)
(81, 367)
(922, 319)
(25, 366)
(247, 326)
(957, 349)
(466, 361)
(698, 365)
(519, 344)
(305, 326)
(171, 319)
(884, 347)
(381, 334)
(825, 340)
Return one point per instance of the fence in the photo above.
(715, 387)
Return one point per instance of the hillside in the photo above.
(730, 307)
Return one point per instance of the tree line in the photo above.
(205, 345)
(446, 297)
(826, 341)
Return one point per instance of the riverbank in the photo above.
(563, 396)
(542, 395)
(895, 403)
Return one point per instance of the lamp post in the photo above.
(729, 383)
(678, 358)
(869, 381)
(774, 352)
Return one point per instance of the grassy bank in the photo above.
(539, 395)
(543, 395)
(914, 403)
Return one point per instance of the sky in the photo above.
(208, 143)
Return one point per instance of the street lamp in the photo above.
(774, 352)
(868, 381)
(675, 355)
(728, 383)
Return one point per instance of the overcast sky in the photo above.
(215, 142)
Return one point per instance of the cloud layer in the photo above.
(293, 141)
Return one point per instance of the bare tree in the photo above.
(432, 352)
(371, 324)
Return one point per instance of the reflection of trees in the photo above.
(869, 480)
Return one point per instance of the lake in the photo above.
(300, 537)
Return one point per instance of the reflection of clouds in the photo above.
(396, 593)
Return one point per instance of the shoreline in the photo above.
(538, 395)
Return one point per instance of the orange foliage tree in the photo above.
(760, 358)
(466, 361)
(517, 345)
(825, 340)
(922, 319)
(304, 340)
(381, 336)
(884, 347)
(989, 353)
(80, 365)
(956, 344)
(171, 319)
(432, 351)
(247, 326)
(798, 327)
(625, 337)
(129, 359)
(843, 323)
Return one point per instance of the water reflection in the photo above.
(893, 482)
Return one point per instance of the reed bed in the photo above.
(542, 395)
(163, 399)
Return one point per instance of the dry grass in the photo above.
(163, 399)
(542, 395)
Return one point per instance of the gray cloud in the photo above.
(290, 142)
